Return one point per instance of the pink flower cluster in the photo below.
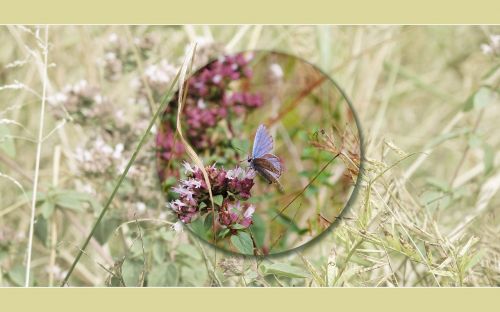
(211, 98)
(212, 80)
(233, 185)
(167, 146)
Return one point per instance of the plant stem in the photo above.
(53, 220)
(306, 187)
(37, 160)
(160, 109)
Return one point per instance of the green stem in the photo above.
(160, 109)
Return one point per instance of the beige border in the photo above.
(254, 11)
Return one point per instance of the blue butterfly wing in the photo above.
(263, 143)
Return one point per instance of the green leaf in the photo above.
(258, 229)
(243, 243)
(107, 226)
(435, 199)
(223, 233)
(489, 157)
(47, 209)
(157, 276)
(70, 202)
(159, 251)
(172, 275)
(41, 230)
(238, 227)
(189, 251)
(284, 269)
(131, 272)
(218, 199)
(198, 227)
(17, 275)
(165, 274)
(208, 221)
(438, 184)
(479, 99)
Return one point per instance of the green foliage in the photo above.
(480, 99)
(243, 243)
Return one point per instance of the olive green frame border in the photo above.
(250, 11)
(249, 299)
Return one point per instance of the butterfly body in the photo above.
(262, 160)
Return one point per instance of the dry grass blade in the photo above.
(37, 161)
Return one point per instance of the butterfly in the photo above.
(262, 161)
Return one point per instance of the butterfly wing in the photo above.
(270, 163)
(269, 167)
(263, 143)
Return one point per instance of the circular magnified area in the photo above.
(269, 157)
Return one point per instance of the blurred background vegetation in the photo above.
(426, 215)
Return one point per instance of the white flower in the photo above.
(276, 71)
(83, 155)
(486, 49)
(102, 147)
(234, 173)
(110, 56)
(188, 168)
(120, 115)
(183, 191)
(201, 104)
(175, 205)
(117, 153)
(113, 38)
(492, 47)
(191, 183)
(80, 86)
(160, 74)
(59, 97)
(121, 167)
(495, 40)
(249, 212)
(141, 207)
(236, 207)
(248, 56)
(217, 78)
(20, 235)
(203, 41)
(177, 226)
(87, 188)
(56, 271)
